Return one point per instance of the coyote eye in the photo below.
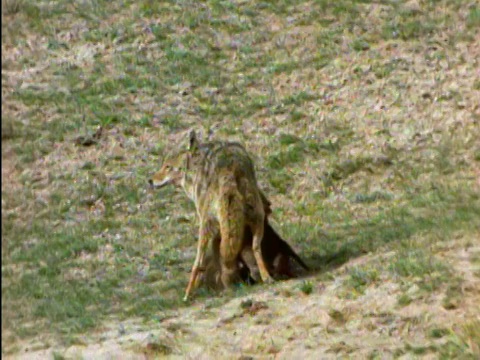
(168, 167)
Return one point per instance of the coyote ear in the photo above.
(193, 142)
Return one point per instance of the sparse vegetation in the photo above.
(363, 120)
(306, 287)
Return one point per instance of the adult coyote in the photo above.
(220, 179)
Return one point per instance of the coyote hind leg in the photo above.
(230, 248)
(257, 231)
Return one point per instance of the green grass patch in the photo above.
(418, 265)
(392, 226)
(461, 342)
(306, 287)
(281, 181)
(404, 300)
(358, 280)
(371, 197)
(473, 18)
(293, 154)
(360, 44)
(438, 333)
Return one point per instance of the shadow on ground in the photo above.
(438, 214)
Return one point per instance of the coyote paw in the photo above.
(255, 275)
(268, 280)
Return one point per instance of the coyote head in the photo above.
(170, 173)
(175, 166)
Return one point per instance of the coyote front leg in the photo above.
(203, 241)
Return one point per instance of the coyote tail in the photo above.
(232, 221)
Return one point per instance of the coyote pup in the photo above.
(276, 254)
(220, 179)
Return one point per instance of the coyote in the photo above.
(220, 179)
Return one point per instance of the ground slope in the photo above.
(363, 118)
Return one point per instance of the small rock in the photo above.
(252, 307)
(245, 357)
(245, 304)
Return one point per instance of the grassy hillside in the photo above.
(363, 118)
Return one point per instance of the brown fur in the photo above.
(277, 253)
(220, 178)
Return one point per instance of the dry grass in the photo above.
(362, 118)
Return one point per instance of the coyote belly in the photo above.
(220, 179)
